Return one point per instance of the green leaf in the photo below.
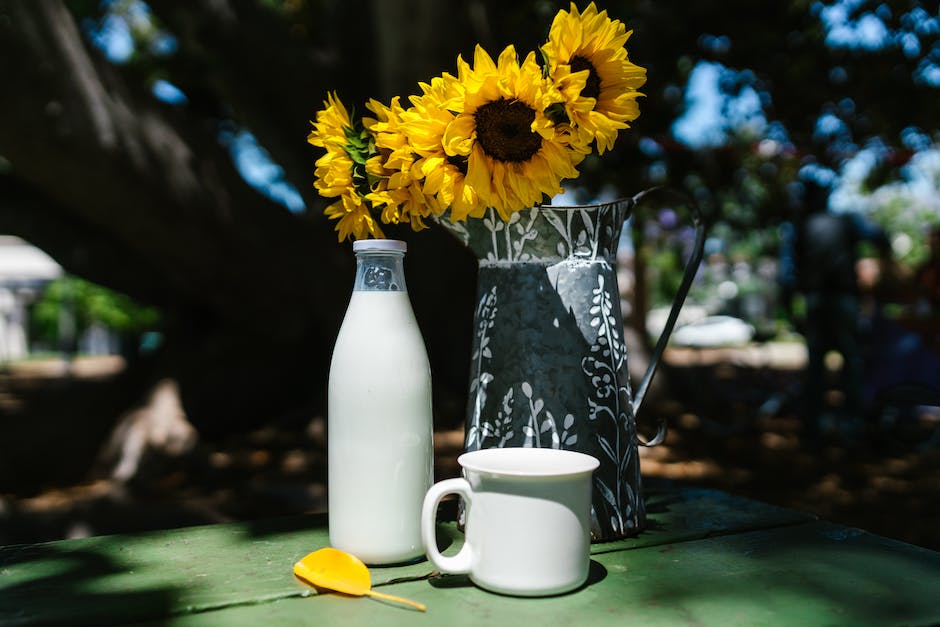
(545, 63)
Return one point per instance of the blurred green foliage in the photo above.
(87, 304)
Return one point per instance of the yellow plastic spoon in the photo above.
(337, 570)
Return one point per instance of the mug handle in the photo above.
(690, 269)
(458, 564)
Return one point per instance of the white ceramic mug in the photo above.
(528, 520)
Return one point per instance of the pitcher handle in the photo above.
(690, 269)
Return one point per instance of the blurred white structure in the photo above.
(713, 331)
(24, 270)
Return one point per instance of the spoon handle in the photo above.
(389, 597)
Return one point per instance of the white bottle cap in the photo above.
(394, 245)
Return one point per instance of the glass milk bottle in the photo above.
(379, 417)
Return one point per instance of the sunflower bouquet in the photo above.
(502, 134)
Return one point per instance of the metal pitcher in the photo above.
(549, 362)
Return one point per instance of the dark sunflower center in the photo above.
(504, 130)
(592, 87)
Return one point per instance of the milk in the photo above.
(379, 430)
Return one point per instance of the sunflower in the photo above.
(444, 176)
(340, 173)
(514, 154)
(395, 181)
(588, 62)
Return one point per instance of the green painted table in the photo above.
(707, 558)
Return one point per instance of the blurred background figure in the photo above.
(927, 279)
(819, 256)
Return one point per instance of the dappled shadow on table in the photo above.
(78, 581)
(810, 573)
